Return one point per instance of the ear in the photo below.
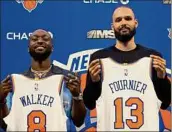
(136, 22)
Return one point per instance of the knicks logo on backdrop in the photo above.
(29, 5)
(78, 62)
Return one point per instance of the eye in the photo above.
(46, 38)
(34, 38)
(128, 18)
(118, 19)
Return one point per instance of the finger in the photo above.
(72, 76)
(158, 68)
(74, 83)
(157, 57)
(94, 62)
(156, 60)
(7, 87)
(159, 64)
(7, 83)
(6, 79)
(95, 70)
(71, 86)
(8, 90)
(66, 79)
(76, 74)
(91, 68)
(69, 80)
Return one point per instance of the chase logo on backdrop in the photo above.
(124, 2)
(100, 34)
(29, 5)
(20, 35)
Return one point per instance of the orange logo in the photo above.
(29, 5)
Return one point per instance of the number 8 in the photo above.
(31, 121)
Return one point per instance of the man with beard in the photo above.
(46, 79)
(127, 83)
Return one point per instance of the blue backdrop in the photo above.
(78, 28)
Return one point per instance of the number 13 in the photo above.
(138, 113)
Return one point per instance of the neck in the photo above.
(41, 65)
(127, 46)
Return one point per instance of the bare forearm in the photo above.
(78, 112)
(4, 111)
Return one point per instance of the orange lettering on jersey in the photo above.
(135, 112)
(119, 124)
(36, 121)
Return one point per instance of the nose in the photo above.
(123, 21)
(40, 41)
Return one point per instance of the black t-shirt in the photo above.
(93, 89)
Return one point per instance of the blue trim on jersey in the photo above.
(9, 100)
(169, 108)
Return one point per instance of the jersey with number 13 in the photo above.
(128, 101)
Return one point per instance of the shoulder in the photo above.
(102, 53)
(148, 51)
(59, 70)
(56, 69)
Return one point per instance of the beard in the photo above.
(125, 37)
(40, 56)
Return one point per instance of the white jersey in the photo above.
(128, 101)
(36, 105)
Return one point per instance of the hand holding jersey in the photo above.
(95, 70)
(158, 63)
(160, 66)
(73, 83)
(5, 88)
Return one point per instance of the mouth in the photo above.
(40, 48)
(124, 29)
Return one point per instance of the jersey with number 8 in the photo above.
(128, 100)
(36, 105)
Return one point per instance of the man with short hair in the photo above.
(127, 82)
(36, 102)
